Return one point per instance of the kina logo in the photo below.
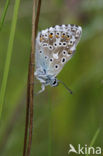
(84, 150)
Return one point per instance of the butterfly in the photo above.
(54, 48)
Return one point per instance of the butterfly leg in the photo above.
(42, 88)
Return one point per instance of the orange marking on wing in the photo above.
(41, 38)
(51, 36)
(57, 36)
(63, 36)
(70, 52)
(68, 38)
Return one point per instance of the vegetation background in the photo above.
(60, 119)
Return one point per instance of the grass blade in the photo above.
(4, 13)
(50, 129)
(94, 138)
(9, 54)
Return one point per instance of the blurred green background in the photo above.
(60, 119)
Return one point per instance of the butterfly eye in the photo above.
(54, 82)
(56, 66)
(63, 60)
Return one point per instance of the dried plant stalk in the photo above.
(30, 88)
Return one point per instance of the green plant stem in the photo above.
(50, 127)
(94, 138)
(4, 13)
(9, 54)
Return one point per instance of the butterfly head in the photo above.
(54, 82)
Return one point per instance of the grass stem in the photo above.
(9, 54)
(4, 13)
(94, 138)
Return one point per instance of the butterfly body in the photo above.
(54, 47)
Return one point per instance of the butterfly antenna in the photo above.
(69, 90)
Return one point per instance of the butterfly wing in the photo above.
(55, 46)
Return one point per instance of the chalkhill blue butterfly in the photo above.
(54, 47)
